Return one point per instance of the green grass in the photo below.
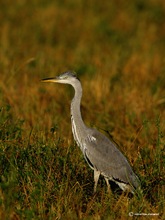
(117, 49)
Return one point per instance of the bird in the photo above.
(101, 153)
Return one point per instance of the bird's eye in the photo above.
(62, 77)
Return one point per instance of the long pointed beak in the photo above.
(53, 79)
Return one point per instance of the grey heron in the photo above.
(101, 154)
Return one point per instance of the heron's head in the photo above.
(65, 78)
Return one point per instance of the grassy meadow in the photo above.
(117, 49)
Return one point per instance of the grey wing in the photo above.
(103, 155)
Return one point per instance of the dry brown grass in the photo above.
(117, 49)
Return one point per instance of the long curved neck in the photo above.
(78, 126)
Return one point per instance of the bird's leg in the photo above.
(108, 185)
(96, 178)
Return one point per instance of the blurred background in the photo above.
(116, 47)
